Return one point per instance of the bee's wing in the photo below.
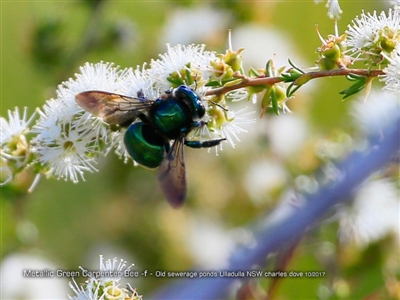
(172, 175)
(113, 108)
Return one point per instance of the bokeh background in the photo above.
(120, 211)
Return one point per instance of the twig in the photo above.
(247, 81)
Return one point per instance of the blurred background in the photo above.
(120, 211)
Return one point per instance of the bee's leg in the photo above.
(204, 144)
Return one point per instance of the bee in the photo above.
(157, 130)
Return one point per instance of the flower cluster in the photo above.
(67, 139)
(104, 284)
(372, 37)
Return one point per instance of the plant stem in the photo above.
(247, 81)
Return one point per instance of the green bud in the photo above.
(186, 76)
(389, 39)
(388, 44)
(176, 79)
(217, 117)
(332, 52)
(233, 59)
(18, 145)
(222, 71)
(280, 92)
(326, 64)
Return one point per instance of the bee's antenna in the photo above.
(219, 105)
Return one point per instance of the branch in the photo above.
(344, 72)
(247, 81)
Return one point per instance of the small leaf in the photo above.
(360, 83)
(295, 67)
(189, 77)
(213, 83)
(292, 88)
(233, 82)
(254, 73)
(274, 101)
(269, 68)
(216, 83)
(291, 75)
(265, 101)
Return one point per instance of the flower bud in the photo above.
(233, 59)
(331, 51)
(325, 64)
(221, 70)
(217, 117)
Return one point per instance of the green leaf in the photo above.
(274, 101)
(295, 67)
(291, 76)
(360, 82)
(292, 88)
(254, 73)
(269, 68)
(189, 77)
(216, 83)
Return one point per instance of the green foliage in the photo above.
(357, 86)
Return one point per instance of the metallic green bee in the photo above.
(153, 125)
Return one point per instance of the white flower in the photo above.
(15, 126)
(47, 127)
(333, 6)
(117, 266)
(334, 9)
(392, 71)
(373, 214)
(67, 156)
(68, 138)
(224, 124)
(14, 147)
(371, 35)
(100, 76)
(139, 83)
(181, 65)
(64, 149)
(104, 284)
(232, 126)
(81, 293)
